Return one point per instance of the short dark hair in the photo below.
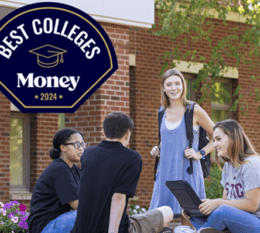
(61, 137)
(116, 125)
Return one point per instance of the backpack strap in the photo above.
(189, 130)
(160, 116)
(161, 111)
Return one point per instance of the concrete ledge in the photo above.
(131, 59)
(20, 195)
(194, 67)
(14, 108)
(174, 224)
(231, 16)
(131, 13)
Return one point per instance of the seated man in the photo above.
(110, 173)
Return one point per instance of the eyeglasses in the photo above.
(77, 144)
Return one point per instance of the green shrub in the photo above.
(213, 187)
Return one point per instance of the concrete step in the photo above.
(174, 224)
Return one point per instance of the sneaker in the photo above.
(166, 230)
(184, 229)
(211, 230)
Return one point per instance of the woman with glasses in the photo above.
(56, 193)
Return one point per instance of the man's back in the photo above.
(107, 168)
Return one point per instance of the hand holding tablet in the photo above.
(186, 196)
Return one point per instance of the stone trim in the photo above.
(183, 66)
(20, 195)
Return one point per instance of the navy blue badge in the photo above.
(52, 57)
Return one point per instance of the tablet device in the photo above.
(186, 196)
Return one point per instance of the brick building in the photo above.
(134, 88)
(27, 138)
(145, 94)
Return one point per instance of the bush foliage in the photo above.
(212, 185)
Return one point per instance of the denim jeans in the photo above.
(235, 220)
(62, 224)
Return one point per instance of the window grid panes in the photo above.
(221, 100)
(61, 121)
(19, 152)
(16, 151)
(190, 93)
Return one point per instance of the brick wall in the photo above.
(113, 95)
(43, 128)
(145, 93)
(138, 96)
(4, 148)
(250, 120)
(4, 136)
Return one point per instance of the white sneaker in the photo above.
(184, 229)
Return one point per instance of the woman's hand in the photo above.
(191, 154)
(208, 206)
(155, 152)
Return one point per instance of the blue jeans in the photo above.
(235, 220)
(62, 224)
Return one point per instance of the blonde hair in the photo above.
(240, 146)
(164, 98)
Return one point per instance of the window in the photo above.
(61, 121)
(19, 151)
(221, 100)
(190, 93)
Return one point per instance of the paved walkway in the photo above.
(175, 223)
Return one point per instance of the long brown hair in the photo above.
(240, 146)
(164, 98)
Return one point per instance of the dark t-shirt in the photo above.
(107, 168)
(56, 187)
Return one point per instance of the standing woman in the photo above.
(239, 208)
(56, 192)
(174, 155)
